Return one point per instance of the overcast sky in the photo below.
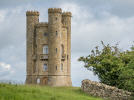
(93, 20)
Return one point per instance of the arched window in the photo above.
(45, 49)
(61, 67)
(62, 49)
(38, 80)
(45, 68)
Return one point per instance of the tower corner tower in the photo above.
(32, 18)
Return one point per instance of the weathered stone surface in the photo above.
(101, 90)
(56, 33)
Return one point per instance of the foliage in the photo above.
(35, 92)
(113, 66)
(127, 73)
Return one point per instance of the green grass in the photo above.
(34, 92)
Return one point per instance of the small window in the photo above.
(56, 33)
(45, 49)
(67, 56)
(45, 68)
(56, 67)
(38, 80)
(45, 34)
(62, 49)
(56, 18)
(56, 50)
(62, 67)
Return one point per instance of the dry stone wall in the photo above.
(104, 91)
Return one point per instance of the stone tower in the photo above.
(49, 48)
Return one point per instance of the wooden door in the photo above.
(44, 81)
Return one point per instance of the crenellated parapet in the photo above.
(67, 14)
(42, 24)
(54, 10)
(32, 13)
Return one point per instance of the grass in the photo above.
(34, 92)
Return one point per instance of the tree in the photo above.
(111, 65)
(127, 72)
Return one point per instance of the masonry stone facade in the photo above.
(49, 48)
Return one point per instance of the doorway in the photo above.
(44, 80)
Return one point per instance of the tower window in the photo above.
(56, 67)
(56, 33)
(45, 34)
(62, 67)
(62, 49)
(45, 49)
(45, 68)
(56, 50)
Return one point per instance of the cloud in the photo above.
(5, 70)
(12, 42)
(107, 27)
(5, 66)
(2, 15)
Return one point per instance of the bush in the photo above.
(113, 66)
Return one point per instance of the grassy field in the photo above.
(32, 92)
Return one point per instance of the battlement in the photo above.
(67, 14)
(54, 10)
(42, 24)
(32, 13)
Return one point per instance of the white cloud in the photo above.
(108, 27)
(5, 71)
(5, 66)
(78, 12)
(2, 15)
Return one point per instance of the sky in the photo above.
(111, 21)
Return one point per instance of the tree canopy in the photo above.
(113, 66)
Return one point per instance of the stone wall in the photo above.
(104, 91)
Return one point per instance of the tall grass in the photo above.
(34, 92)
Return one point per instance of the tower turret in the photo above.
(31, 21)
(54, 44)
(66, 20)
